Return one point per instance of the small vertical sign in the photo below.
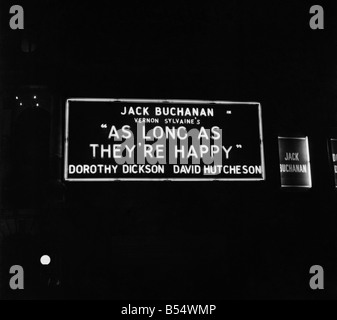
(333, 148)
(294, 162)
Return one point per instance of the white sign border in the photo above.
(66, 144)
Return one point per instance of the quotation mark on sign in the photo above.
(239, 146)
(104, 125)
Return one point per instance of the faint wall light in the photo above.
(27, 44)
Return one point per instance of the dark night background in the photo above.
(166, 240)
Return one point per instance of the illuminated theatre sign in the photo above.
(110, 139)
(294, 162)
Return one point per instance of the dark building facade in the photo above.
(166, 240)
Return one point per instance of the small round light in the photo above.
(34, 97)
(17, 98)
(45, 260)
(37, 104)
(20, 103)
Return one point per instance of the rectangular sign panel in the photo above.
(294, 162)
(127, 139)
(333, 150)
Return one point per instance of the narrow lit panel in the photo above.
(333, 149)
(294, 160)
